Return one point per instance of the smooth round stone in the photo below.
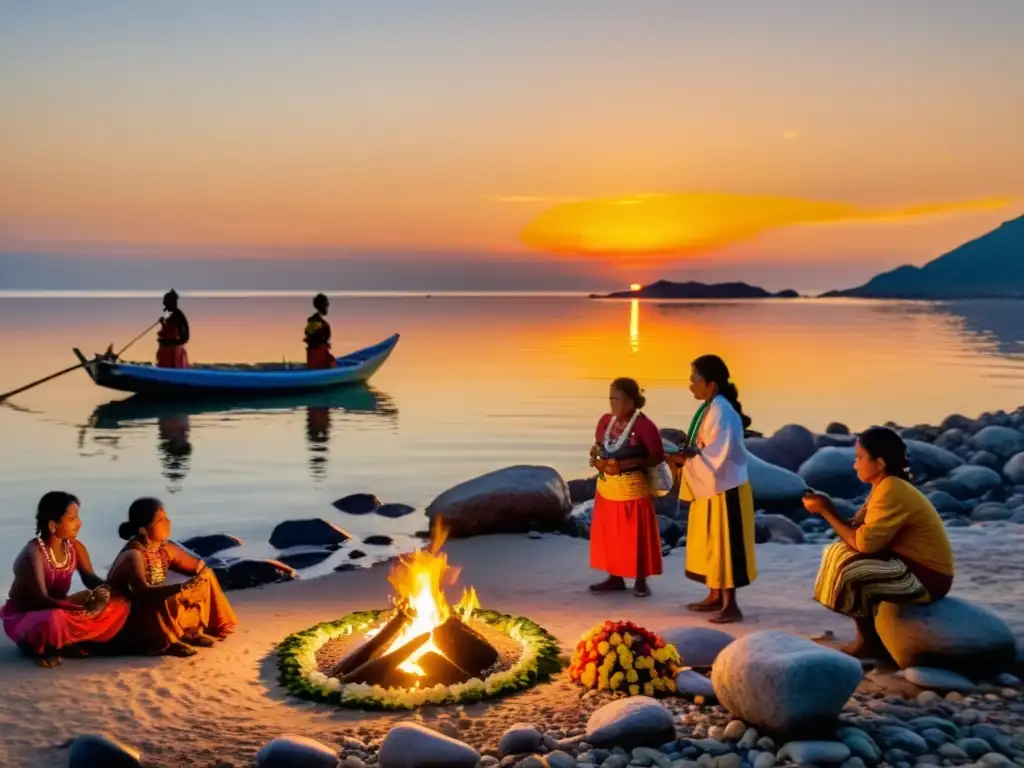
(393, 511)
(634, 721)
(287, 751)
(765, 760)
(749, 739)
(974, 747)
(815, 752)
(716, 732)
(413, 746)
(698, 646)
(731, 760)
(938, 679)
(520, 738)
(96, 751)
(929, 699)
(734, 731)
(951, 752)
(357, 504)
(559, 759)
(995, 759)
(646, 756)
(861, 744)
(895, 737)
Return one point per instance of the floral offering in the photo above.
(620, 656)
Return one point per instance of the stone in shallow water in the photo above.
(631, 722)
(96, 751)
(938, 679)
(204, 546)
(783, 682)
(288, 751)
(315, 532)
(413, 746)
(815, 752)
(357, 504)
(950, 634)
(378, 540)
(520, 738)
(305, 557)
(393, 511)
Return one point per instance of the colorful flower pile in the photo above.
(620, 656)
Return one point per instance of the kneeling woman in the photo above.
(894, 550)
(166, 618)
(624, 537)
(40, 616)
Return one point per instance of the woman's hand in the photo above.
(817, 503)
(595, 451)
(611, 467)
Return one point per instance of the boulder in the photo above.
(945, 504)
(635, 721)
(985, 459)
(784, 683)
(781, 529)
(289, 751)
(692, 683)
(315, 532)
(927, 460)
(519, 738)
(837, 428)
(950, 634)
(958, 421)
(234, 573)
(831, 471)
(412, 746)
(1002, 441)
(954, 488)
(698, 646)
(96, 751)
(582, 490)
(775, 488)
(976, 479)
(513, 500)
(789, 447)
(204, 546)
(393, 511)
(304, 557)
(950, 439)
(991, 511)
(941, 680)
(836, 441)
(358, 503)
(1013, 470)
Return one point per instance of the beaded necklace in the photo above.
(611, 446)
(48, 555)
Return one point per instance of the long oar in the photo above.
(75, 367)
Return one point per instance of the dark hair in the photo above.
(171, 296)
(140, 515)
(883, 443)
(630, 389)
(320, 301)
(713, 370)
(51, 508)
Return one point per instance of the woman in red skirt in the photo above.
(624, 537)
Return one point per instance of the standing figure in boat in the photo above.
(318, 336)
(173, 335)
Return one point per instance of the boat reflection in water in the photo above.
(174, 425)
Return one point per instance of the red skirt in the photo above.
(319, 358)
(624, 538)
(171, 357)
(57, 628)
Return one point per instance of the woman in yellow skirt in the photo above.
(720, 532)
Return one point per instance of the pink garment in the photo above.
(57, 628)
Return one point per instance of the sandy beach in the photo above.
(219, 707)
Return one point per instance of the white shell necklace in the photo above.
(611, 446)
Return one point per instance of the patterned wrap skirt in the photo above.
(720, 539)
(853, 583)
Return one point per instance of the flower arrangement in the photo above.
(301, 677)
(620, 656)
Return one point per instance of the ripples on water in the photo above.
(476, 383)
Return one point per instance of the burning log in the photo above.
(377, 671)
(373, 647)
(464, 646)
(439, 669)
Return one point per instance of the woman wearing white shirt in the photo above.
(720, 533)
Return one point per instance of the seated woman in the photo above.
(894, 550)
(39, 615)
(166, 618)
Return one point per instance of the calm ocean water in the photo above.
(476, 383)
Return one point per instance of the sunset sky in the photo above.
(358, 131)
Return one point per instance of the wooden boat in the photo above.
(357, 398)
(251, 380)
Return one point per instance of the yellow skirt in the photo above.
(720, 540)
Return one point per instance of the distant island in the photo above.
(989, 267)
(665, 289)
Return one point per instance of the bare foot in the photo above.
(640, 589)
(198, 639)
(180, 650)
(730, 615)
(713, 602)
(47, 660)
(611, 584)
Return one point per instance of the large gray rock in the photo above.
(315, 532)
(95, 751)
(784, 683)
(289, 751)
(513, 500)
(774, 488)
(930, 461)
(788, 448)
(831, 471)
(211, 544)
(949, 633)
(519, 738)
(938, 679)
(945, 504)
(636, 721)
(950, 439)
(697, 646)
(412, 746)
(958, 421)
(985, 459)
(781, 529)
(1002, 441)
(990, 511)
(978, 480)
(1013, 470)
(236, 573)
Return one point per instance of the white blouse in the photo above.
(721, 464)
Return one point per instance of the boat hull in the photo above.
(187, 383)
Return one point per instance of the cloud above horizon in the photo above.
(694, 223)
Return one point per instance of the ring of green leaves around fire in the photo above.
(301, 677)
